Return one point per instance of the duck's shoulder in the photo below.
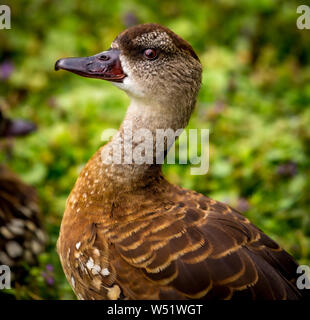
(169, 242)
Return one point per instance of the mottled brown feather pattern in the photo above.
(127, 233)
(191, 247)
(21, 234)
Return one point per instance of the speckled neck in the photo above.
(143, 116)
(106, 184)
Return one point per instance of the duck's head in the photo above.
(14, 127)
(147, 61)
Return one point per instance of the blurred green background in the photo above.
(255, 100)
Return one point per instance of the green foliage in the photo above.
(254, 99)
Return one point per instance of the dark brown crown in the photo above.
(126, 37)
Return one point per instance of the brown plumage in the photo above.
(21, 235)
(127, 233)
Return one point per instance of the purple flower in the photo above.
(48, 275)
(242, 205)
(50, 281)
(288, 169)
(6, 69)
(49, 268)
(129, 19)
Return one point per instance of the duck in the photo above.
(22, 236)
(127, 232)
(14, 127)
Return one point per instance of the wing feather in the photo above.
(194, 247)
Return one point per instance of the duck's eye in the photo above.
(150, 54)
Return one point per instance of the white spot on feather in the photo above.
(77, 245)
(17, 230)
(90, 263)
(97, 267)
(80, 297)
(95, 270)
(13, 249)
(73, 282)
(6, 233)
(96, 252)
(105, 272)
(18, 223)
(36, 247)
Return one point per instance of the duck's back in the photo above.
(21, 235)
(174, 244)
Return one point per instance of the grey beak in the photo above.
(105, 65)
